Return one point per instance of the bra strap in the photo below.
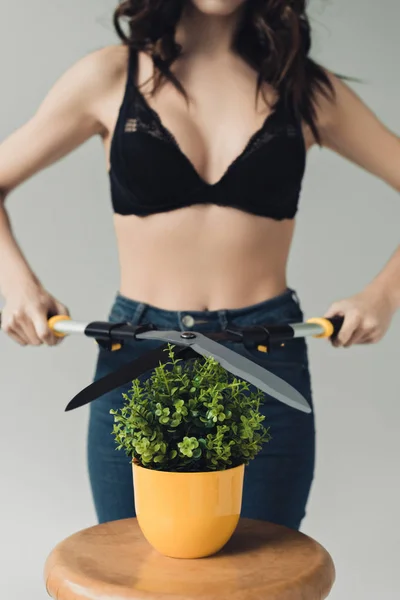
(132, 67)
(130, 92)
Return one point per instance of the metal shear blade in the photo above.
(236, 364)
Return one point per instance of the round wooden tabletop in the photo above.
(261, 561)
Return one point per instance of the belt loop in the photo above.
(223, 318)
(295, 297)
(140, 309)
(181, 325)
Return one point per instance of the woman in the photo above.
(205, 184)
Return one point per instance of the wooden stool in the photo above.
(262, 561)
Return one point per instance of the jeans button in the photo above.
(188, 321)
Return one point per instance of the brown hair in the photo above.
(274, 38)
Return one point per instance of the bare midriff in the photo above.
(202, 257)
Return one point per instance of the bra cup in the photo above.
(149, 173)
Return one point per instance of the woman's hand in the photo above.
(25, 315)
(367, 317)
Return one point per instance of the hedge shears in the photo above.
(191, 344)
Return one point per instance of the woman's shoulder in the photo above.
(104, 64)
(93, 78)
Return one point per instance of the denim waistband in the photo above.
(140, 312)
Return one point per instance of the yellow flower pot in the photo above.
(188, 515)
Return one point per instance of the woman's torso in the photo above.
(202, 256)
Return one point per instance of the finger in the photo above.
(15, 337)
(11, 328)
(15, 327)
(19, 326)
(369, 332)
(337, 309)
(43, 330)
(356, 338)
(365, 339)
(26, 327)
(61, 309)
(370, 338)
(350, 325)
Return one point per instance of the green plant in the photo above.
(193, 416)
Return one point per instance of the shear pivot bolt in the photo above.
(187, 335)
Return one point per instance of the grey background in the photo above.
(347, 229)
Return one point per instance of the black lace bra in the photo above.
(149, 173)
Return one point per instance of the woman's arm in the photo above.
(70, 114)
(351, 129)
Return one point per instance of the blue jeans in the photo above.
(278, 481)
